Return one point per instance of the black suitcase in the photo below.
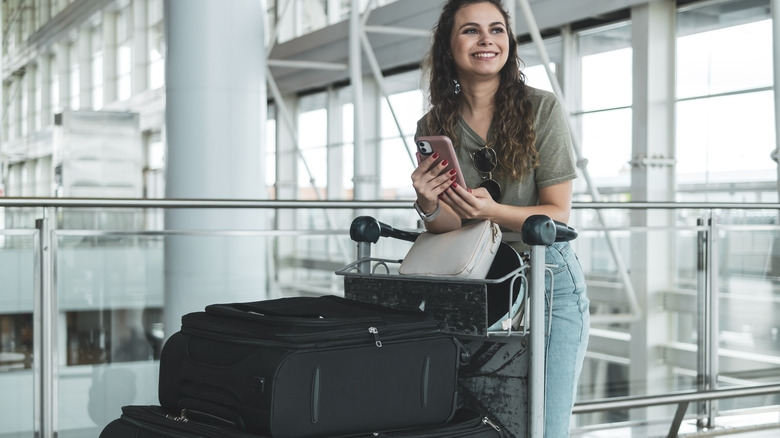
(154, 422)
(311, 367)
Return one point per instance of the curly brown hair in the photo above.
(513, 121)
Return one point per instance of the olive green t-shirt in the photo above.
(553, 142)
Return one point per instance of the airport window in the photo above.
(156, 44)
(111, 336)
(124, 57)
(605, 58)
(348, 150)
(16, 341)
(312, 143)
(398, 150)
(725, 107)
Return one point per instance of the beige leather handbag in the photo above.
(466, 252)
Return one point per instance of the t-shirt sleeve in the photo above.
(553, 142)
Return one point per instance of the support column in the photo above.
(362, 156)
(109, 58)
(215, 119)
(139, 80)
(30, 78)
(45, 117)
(84, 44)
(63, 68)
(287, 187)
(652, 179)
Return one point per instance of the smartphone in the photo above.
(442, 145)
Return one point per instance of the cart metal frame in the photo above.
(503, 371)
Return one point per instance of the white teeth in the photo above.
(484, 55)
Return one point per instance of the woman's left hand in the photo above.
(469, 203)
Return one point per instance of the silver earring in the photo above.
(457, 86)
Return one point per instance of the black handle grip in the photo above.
(563, 232)
(368, 229)
(541, 230)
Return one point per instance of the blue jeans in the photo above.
(567, 338)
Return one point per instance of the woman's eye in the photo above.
(498, 30)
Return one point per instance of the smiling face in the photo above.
(479, 41)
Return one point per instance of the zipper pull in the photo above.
(181, 419)
(486, 421)
(375, 332)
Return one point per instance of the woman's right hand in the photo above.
(430, 180)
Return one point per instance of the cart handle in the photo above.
(541, 230)
(368, 229)
(537, 230)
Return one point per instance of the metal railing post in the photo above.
(713, 322)
(45, 323)
(536, 378)
(702, 304)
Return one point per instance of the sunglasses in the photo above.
(485, 161)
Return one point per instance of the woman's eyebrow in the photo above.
(495, 23)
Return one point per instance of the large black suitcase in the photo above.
(311, 367)
(154, 422)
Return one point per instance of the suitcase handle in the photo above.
(196, 410)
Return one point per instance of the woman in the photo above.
(514, 150)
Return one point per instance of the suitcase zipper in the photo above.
(486, 421)
(245, 334)
(467, 428)
(137, 415)
(374, 331)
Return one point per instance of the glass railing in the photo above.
(683, 298)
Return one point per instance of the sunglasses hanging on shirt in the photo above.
(485, 161)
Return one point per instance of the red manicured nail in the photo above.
(453, 171)
(435, 155)
(444, 162)
(454, 185)
(452, 179)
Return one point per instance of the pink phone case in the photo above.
(442, 145)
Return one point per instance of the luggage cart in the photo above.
(502, 371)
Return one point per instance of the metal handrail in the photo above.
(341, 204)
(682, 400)
(644, 401)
